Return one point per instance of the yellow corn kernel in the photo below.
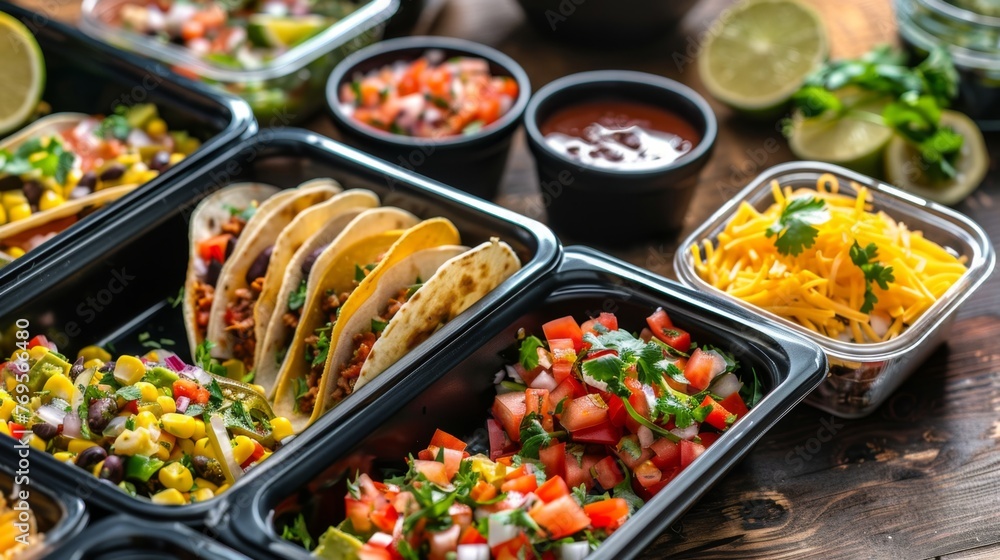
(221, 489)
(186, 445)
(199, 430)
(281, 427)
(37, 352)
(203, 447)
(18, 212)
(242, 449)
(7, 406)
(76, 446)
(147, 176)
(202, 495)
(147, 392)
(93, 353)
(156, 127)
(167, 404)
(129, 370)
(58, 385)
(166, 443)
(4, 429)
(178, 424)
(12, 198)
(176, 158)
(93, 363)
(169, 497)
(37, 443)
(135, 442)
(96, 469)
(50, 199)
(129, 158)
(176, 476)
(176, 455)
(3, 215)
(15, 252)
(146, 419)
(202, 483)
(64, 456)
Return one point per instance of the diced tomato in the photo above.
(371, 93)
(607, 514)
(561, 517)
(452, 458)
(16, 429)
(689, 452)
(734, 403)
(658, 321)
(483, 491)
(584, 412)
(603, 434)
(667, 454)
(616, 410)
(608, 473)
(472, 536)
(509, 410)
(357, 513)
(448, 441)
(678, 339)
(40, 340)
(192, 29)
(527, 375)
(524, 469)
(132, 406)
(553, 488)
(489, 109)
(522, 484)
(630, 452)
(195, 393)
(708, 438)
(255, 455)
(719, 417)
(384, 519)
(443, 543)
(433, 471)
(439, 82)
(647, 474)
(606, 320)
(554, 459)
(568, 389)
(563, 356)
(702, 367)
(564, 327)
(578, 471)
(214, 248)
(500, 443)
(373, 552)
(537, 401)
(517, 548)
(639, 403)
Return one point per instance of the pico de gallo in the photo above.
(152, 426)
(586, 426)
(129, 147)
(430, 97)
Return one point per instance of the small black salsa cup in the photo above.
(608, 205)
(472, 162)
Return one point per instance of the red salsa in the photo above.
(619, 134)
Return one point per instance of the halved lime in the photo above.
(903, 166)
(758, 53)
(280, 31)
(22, 74)
(855, 140)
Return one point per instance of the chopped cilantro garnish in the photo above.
(795, 229)
(873, 271)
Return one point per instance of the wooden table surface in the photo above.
(919, 477)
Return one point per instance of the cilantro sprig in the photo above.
(875, 272)
(795, 228)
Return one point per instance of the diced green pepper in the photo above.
(47, 366)
(161, 377)
(141, 468)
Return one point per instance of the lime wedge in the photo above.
(276, 31)
(22, 74)
(850, 140)
(903, 164)
(758, 53)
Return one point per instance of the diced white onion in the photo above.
(512, 373)
(51, 414)
(473, 552)
(222, 436)
(500, 532)
(71, 426)
(573, 551)
(544, 380)
(726, 385)
(500, 376)
(645, 437)
(115, 427)
(688, 433)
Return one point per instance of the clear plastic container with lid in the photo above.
(283, 90)
(862, 376)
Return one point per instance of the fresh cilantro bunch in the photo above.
(915, 95)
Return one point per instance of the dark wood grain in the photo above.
(919, 478)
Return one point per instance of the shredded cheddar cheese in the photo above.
(821, 288)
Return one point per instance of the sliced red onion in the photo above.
(645, 436)
(688, 433)
(71, 426)
(544, 380)
(51, 414)
(115, 427)
(726, 385)
(182, 404)
(175, 363)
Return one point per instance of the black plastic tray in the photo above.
(454, 392)
(86, 76)
(116, 281)
(59, 516)
(127, 538)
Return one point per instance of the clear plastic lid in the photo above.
(953, 231)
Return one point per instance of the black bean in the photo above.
(208, 468)
(77, 369)
(230, 246)
(112, 172)
(100, 412)
(45, 430)
(91, 456)
(112, 470)
(87, 181)
(108, 367)
(33, 192)
(259, 267)
(212, 275)
(160, 161)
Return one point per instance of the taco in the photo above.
(230, 322)
(216, 224)
(349, 275)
